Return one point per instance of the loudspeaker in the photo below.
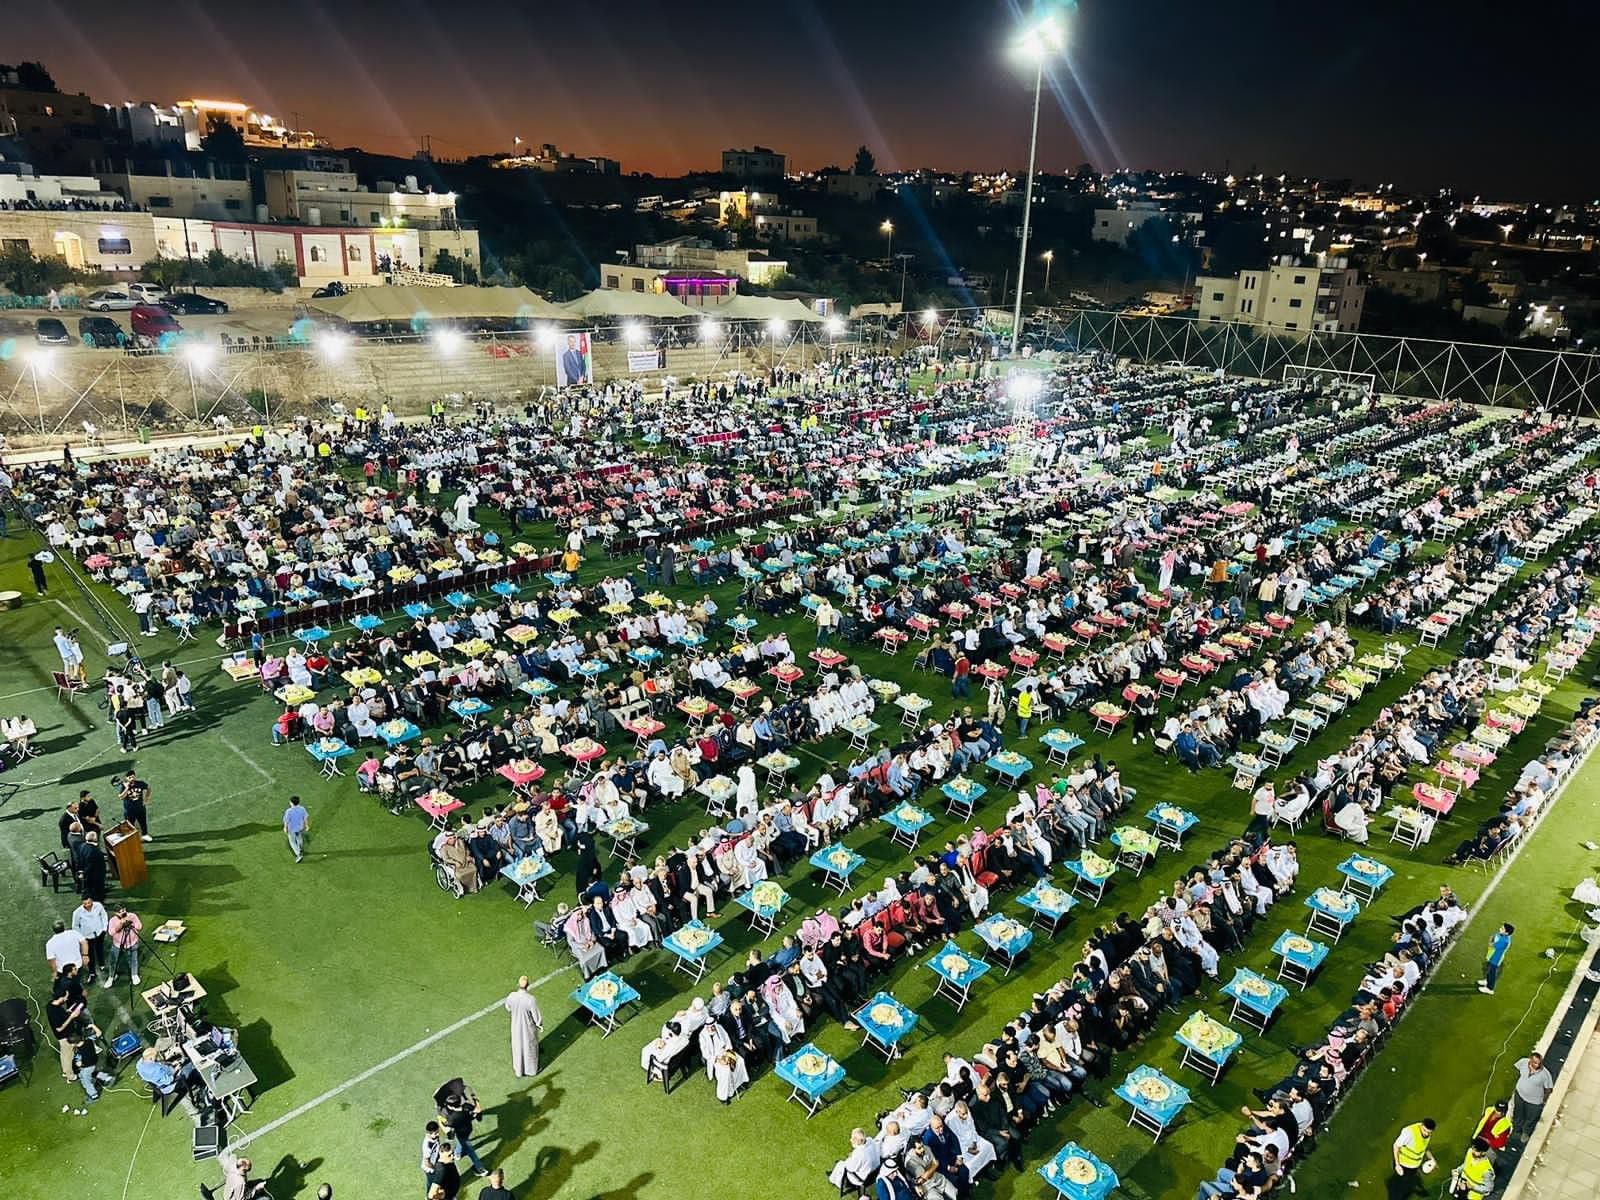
(207, 1142)
(16, 1031)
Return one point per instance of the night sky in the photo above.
(1492, 99)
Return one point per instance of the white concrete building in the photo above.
(757, 163)
(1286, 298)
(1117, 225)
(184, 196)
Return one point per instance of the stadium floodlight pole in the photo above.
(1037, 44)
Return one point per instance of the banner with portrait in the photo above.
(574, 360)
(653, 359)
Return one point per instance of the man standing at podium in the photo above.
(135, 794)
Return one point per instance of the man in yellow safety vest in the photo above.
(1475, 1175)
(1411, 1158)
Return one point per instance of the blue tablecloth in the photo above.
(1172, 818)
(1256, 992)
(1293, 946)
(674, 942)
(970, 971)
(471, 706)
(530, 868)
(1011, 770)
(367, 622)
(1368, 872)
(1101, 1185)
(417, 610)
(326, 753)
(1219, 1053)
(1335, 905)
(767, 910)
(1061, 741)
(1161, 1111)
(908, 818)
(605, 1006)
(1000, 933)
(825, 860)
(815, 1082)
(460, 600)
(886, 1033)
(1048, 900)
(393, 737)
(974, 793)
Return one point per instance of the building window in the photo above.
(116, 245)
(280, 255)
(1291, 325)
(231, 205)
(638, 285)
(375, 217)
(160, 201)
(613, 282)
(1294, 302)
(1216, 295)
(14, 243)
(1214, 320)
(1299, 278)
(353, 253)
(318, 254)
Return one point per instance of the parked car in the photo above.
(191, 302)
(147, 293)
(49, 331)
(101, 333)
(108, 300)
(154, 322)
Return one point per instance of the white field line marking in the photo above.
(250, 762)
(82, 624)
(183, 812)
(356, 1080)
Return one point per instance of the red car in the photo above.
(154, 322)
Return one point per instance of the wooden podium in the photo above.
(126, 849)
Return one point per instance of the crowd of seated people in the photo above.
(1525, 803)
(981, 1111)
(1293, 1109)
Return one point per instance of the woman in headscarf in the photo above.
(586, 871)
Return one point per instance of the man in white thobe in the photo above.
(526, 1024)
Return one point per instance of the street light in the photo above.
(332, 345)
(1050, 257)
(547, 337)
(887, 229)
(710, 331)
(1036, 45)
(633, 333)
(834, 325)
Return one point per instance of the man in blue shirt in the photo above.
(296, 821)
(1498, 945)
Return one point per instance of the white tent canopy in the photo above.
(763, 308)
(603, 302)
(438, 303)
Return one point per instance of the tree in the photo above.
(25, 275)
(865, 164)
(223, 142)
(445, 263)
(33, 77)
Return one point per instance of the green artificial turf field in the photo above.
(359, 986)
